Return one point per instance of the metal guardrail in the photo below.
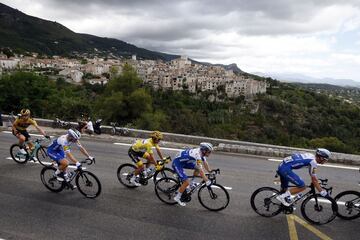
(224, 145)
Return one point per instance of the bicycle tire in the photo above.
(349, 205)
(121, 173)
(42, 156)
(49, 180)
(320, 202)
(165, 190)
(266, 202)
(86, 176)
(210, 191)
(165, 172)
(14, 152)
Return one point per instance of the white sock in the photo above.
(57, 172)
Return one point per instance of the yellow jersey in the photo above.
(144, 145)
(22, 124)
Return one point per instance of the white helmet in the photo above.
(75, 134)
(204, 146)
(324, 153)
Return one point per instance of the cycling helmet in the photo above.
(75, 134)
(324, 153)
(204, 146)
(156, 135)
(24, 112)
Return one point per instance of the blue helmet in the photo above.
(324, 153)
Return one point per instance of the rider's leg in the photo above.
(298, 182)
(62, 166)
(21, 143)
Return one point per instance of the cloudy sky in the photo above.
(319, 38)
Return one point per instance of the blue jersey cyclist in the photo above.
(59, 151)
(297, 161)
(191, 159)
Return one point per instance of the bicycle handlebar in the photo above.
(88, 161)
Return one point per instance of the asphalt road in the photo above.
(30, 211)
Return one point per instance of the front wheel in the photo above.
(165, 172)
(16, 155)
(88, 184)
(263, 202)
(319, 210)
(165, 190)
(50, 181)
(124, 173)
(42, 157)
(214, 198)
(348, 203)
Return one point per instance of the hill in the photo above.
(26, 33)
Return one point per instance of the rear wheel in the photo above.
(50, 181)
(263, 202)
(16, 155)
(165, 190)
(125, 173)
(348, 203)
(214, 198)
(42, 157)
(88, 184)
(319, 210)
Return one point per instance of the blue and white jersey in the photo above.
(190, 156)
(299, 160)
(61, 144)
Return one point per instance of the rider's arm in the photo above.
(314, 179)
(159, 152)
(200, 168)
(83, 150)
(206, 166)
(40, 130)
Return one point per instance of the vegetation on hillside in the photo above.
(287, 115)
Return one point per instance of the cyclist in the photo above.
(296, 161)
(59, 151)
(19, 129)
(192, 159)
(143, 149)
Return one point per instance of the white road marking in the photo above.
(31, 134)
(325, 165)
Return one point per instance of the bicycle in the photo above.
(126, 171)
(118, 130)
(263, 201)
(38, 154)
(348, 204)
(214, 197)
(58, 123)
(86, 182)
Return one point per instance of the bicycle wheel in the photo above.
(264, 203)
(214, 197)
(42, 157)
(319, 210)
(88, 184)
(48, 178)
(348, 203)
(165, 189)
(165, 172)
(125, 173)
(16, 155)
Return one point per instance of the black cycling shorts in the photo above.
(23, 132)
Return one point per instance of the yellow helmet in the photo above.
(156, 135)
(24, 112)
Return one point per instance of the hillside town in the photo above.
(177, 74)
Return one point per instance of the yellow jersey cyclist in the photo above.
(192, 159)
(142, 148)
(19, 129)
